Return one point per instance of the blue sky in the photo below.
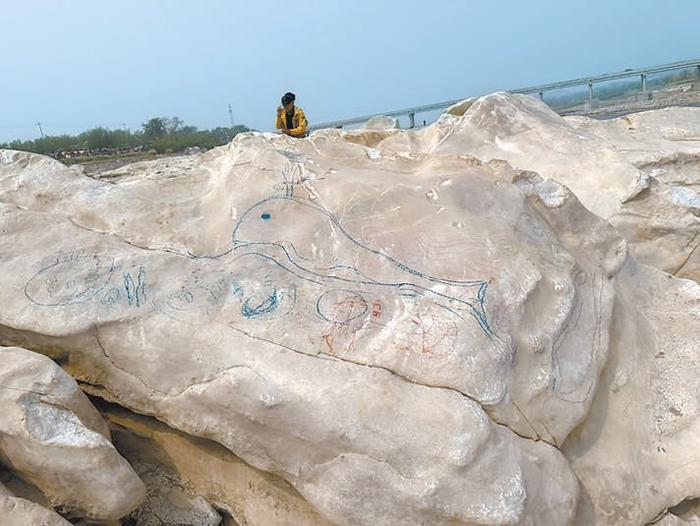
(78, 64)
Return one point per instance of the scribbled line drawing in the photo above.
(291, 176)
(343, 287)
(135, 293)
(350, 304)
(460, 297)
(569, 384)
(83, 275)
(251, 310)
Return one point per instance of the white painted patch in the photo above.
(7, 156)
(685, 197)
(374, 154)
(269, 400)
(552, 193)
(506, 146)
(57, 426)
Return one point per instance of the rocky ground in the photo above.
(144, 165)
(490, 320)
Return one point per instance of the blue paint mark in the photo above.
(141, 287)
(464, 298)
(268, 305)
(111, 297)
(475, 305)
(238, 242)
(185, 295)
(129, 288)
(45, 287)
(135, 291)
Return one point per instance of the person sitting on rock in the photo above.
(290, 118)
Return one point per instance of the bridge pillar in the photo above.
(644, 82)
(411, 120)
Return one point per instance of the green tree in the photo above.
(155, 127)
(159, 133)
(97, 138)
(174, 125)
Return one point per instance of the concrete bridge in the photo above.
(642, 99)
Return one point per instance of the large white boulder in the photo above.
(402, 332)
(322, 357)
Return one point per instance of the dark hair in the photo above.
(287, 98)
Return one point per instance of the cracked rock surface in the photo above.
(403, 332)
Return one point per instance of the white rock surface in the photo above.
(634, 450)
(133, 321)
(54, 437)
(381, 122)
(16, 511)
(640, 171)
(419, 306)
(405, 334)
(205, 468)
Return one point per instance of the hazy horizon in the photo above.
(75, 65)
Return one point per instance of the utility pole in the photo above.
(40, 130)
(230, 114)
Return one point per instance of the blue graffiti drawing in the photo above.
(73, 277)
(274, 238)
(251, 310)
(82, 276)
(135, 293)
(261, 272)
(111, 297)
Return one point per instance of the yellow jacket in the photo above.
(299, 122)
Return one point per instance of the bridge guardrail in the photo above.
(642, 73)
